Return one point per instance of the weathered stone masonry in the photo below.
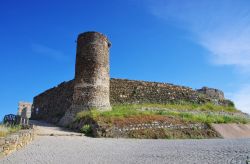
(54, 103)
(212, 93)
(91, 83)
(131, 91)
(92, 87)
(15, 141)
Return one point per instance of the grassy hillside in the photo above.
(123, 116)
(207, 113)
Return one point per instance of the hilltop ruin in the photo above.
(92, 87)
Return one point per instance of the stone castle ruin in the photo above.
(24, 108)
(92, 87)
(24, 111)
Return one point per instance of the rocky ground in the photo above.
(55, 145)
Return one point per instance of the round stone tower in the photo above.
(92, 79)
(91, 88)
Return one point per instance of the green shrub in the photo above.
(86, 129)
(230, 103)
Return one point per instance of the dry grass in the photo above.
(5, 130)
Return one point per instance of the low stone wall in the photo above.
(15, 141)
(159, 125)
(127, 131)
(143, 127)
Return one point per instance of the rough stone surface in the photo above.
(133, 91)
(24, 109)
(212, 93)
(54, 103)
(15, 141)
(131, 131)
(92, 79)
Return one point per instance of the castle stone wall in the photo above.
(54, 103)
(212, 93)
(131, 91)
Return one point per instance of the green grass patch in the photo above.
(86, 129)
(182, 105)
(127, 110)
(206, 118)
(117, 111)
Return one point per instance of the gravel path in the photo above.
(80, 149)
(63, 149)
(46, 129)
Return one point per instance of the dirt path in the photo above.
(46, 129)
(233, 130)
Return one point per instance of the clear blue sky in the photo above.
(200, 43)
